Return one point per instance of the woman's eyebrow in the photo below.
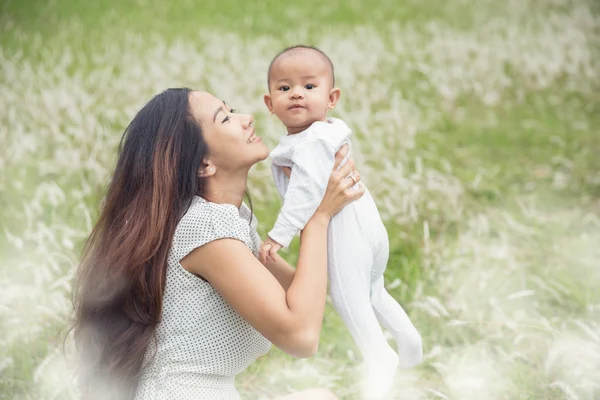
(218, 110)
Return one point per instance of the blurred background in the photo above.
(476, 129)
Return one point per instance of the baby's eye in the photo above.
(310, 86)
(284, 88)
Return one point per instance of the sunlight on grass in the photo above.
(503, 287)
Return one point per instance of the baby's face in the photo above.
(299, 89)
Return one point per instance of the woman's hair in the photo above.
(120, 282)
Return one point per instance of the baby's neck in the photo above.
(298, 129)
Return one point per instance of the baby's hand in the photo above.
(269, 248)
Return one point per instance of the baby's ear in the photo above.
(334, 96)
(268, 102)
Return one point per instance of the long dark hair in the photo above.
(120, 282)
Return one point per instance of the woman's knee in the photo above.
(323, 394)
(310, 394)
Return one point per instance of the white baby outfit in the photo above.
(201, 343)
(358, 247)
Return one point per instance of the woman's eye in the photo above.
(284, 88)
(310, 86)
(231, 110)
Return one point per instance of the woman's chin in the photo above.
(265, 154)
(259, 159)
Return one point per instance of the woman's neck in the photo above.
(224, 188)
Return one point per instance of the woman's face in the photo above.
(230, 136)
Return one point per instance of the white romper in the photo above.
(358, 247)
(201, 343)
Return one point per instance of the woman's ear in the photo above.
(268, 103)
(207, 169)
(334, 96)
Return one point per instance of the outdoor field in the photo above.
(476, 129)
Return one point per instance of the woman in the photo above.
(171, 300)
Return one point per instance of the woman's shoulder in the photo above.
(202, 213)
(205, 222)
(201, 209)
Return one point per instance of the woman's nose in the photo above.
(248, 120)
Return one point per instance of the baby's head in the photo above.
(301, 87)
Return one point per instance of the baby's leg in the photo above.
(350, 281)
(392, 315)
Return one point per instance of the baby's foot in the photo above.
(410, 348)
(380, 376)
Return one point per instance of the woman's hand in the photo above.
(340, 190)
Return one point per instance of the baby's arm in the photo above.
(313, 162)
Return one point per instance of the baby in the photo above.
(301, 92)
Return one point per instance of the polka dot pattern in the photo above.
(201, 343)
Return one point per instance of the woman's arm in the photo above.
(281, 270)
(259, 298)
(289, 319)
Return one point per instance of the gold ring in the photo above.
(353, 180)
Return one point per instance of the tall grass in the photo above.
(476, 130)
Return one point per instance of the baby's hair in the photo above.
(301, 47)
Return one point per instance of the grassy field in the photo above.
(476, 129)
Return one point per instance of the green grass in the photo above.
(492, 207)
(183, 18)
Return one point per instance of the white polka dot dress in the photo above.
(201, 343)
